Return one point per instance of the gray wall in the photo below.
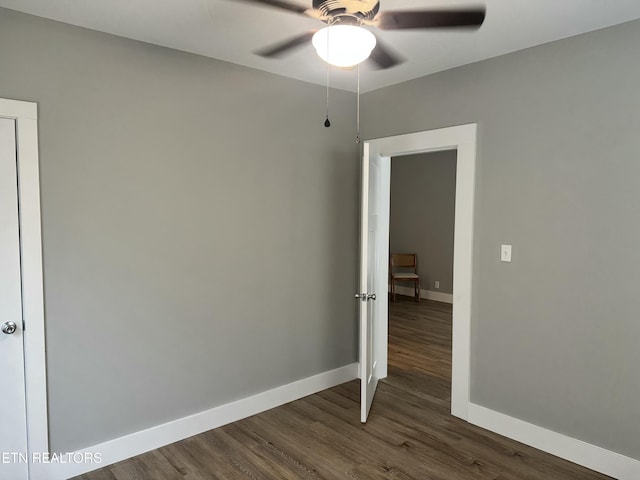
(188, 207)
(423, 195)
(555, 332)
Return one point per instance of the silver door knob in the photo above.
(366, 296)
(9, 327)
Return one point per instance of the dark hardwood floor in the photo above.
(410, 433)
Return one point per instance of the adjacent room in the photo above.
(421, 245)
(422, 220)
(180, 241)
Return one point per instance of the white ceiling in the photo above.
(231, 29)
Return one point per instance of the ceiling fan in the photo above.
(345, 43)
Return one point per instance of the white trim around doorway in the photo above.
(25, 115)
(461, 138)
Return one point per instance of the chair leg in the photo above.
(417, 287)
(393, 290)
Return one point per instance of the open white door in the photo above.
(374, 245)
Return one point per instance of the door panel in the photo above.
(373, 275)
(13, 431)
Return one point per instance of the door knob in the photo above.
(366, 296)
(9, 327)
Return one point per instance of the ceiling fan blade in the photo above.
(282, 48)
(282, 5)
(399, 20)
(384, 58)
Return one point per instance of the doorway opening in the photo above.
(422, 217)
(378, 152)
(422, 220)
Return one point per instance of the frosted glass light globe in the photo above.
(344, 45)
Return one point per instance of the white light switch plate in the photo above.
(505, 253)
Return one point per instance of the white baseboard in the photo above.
(136, 443)
(576, 451)
(591, 456)
(426, 294)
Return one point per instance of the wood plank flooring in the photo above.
(410, 434)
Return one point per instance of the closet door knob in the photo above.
(9, 327)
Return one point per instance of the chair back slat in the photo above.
(403, 260)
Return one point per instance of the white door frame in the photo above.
(463, 139)
(25, 115)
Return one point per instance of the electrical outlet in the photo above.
(437, 284)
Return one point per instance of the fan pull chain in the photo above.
(327, 123)
(358, 108)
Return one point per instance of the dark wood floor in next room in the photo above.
(410, 433)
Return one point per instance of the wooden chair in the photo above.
(403, 267)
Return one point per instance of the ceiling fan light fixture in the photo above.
(344, 45)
